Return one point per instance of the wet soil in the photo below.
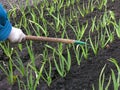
(80, 77)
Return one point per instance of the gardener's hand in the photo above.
(16, 35)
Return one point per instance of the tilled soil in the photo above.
(83, 76)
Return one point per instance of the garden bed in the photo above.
(82, 75)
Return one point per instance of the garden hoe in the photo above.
(50, 39)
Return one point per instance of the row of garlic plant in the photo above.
(113, 79)
(62, 63)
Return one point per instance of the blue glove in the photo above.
(5, 25)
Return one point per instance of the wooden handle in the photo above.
(49, 39)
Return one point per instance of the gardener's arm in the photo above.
(6, 29)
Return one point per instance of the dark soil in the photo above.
(83, 76)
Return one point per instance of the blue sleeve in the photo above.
(5, 25)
